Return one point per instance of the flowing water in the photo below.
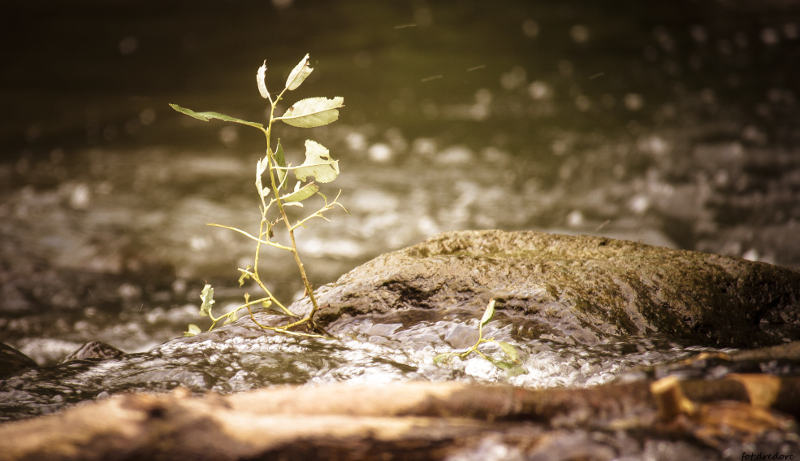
(369, 353)
(672, 124)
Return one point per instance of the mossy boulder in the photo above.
(580, 287)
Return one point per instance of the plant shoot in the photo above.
(276, 196)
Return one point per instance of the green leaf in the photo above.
(280, 160)
(207, 296)
(313, 112)
(298, 74)
(261, 167)
(206, 116)
(302, 193)
(262, 87)
(511, 368)
(510, 351)
(488, 314)
(441, 358)
(231, 318)
(318, 164)
(193, 330)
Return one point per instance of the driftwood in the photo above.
(403, 421)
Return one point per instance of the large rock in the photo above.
(583, 287)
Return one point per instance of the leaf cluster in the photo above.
(273, 167)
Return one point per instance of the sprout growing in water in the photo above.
(512, 366)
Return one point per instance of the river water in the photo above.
(671, 123)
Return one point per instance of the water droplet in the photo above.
(579, 33)
(530, 28)
(128, 45)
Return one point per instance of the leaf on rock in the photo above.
(298, 74)
(206, 116)
(313, 112)
(207, 296)
(193, 330)
(318, 164)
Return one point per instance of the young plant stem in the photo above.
(309, 319)
(260, 241)
(306, 113)
(233, 312)
(256, 259)
(285, 328)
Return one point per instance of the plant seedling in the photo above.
(512, 366)
(318, 164)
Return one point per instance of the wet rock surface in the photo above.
(580, 287)
(93, 350)
(13, 361)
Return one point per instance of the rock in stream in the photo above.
(580, 287)
(583, 309)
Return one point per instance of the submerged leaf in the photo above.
(193, 330)
(298, 74)
(318, 164)
(511, 368)
(313, 112)
(510, 351)
(302, 193)
(207, 296)
(262, 87)
(206, 116)
(488, 314)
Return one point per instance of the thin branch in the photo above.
(316, 214)
(283, 329)
(266, 242)
(272, 298)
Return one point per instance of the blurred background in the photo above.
(670, 122)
